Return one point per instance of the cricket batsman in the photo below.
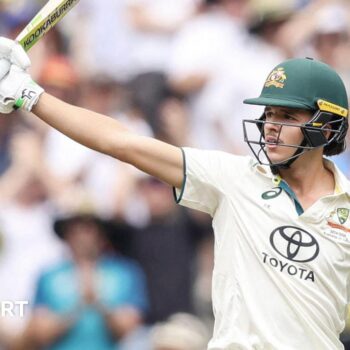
(281, 219)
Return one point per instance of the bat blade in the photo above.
(45, 19)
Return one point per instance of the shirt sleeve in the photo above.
(208, 177)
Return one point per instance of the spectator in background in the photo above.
(104, 36)
(90, 301)
(130, 36)
(7, 126)
(321, 30)
(164, 110)
(214, 62)
(171, 118)
(60, 77)
(153, 24)
(6, 339)
(202, 42)
(13, 13)
(267, 19)
(26, 207)
(5, 17)
(165, 244)
(331, 34)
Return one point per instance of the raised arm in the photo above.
(96, 131)
(109, 136)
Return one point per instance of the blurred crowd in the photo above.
(102, 253)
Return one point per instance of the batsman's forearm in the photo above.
(106, 135)
(88, 128)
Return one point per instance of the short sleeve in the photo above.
(208, 177)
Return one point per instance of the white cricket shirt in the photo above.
(280, 280)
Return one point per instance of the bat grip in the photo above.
(5, 66)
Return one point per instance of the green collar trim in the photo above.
(282, 184)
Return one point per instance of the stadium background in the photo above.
(174, 70)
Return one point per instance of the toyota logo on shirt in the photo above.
(294, 243)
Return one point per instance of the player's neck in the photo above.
(309, 176)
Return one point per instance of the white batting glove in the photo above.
(17, 89)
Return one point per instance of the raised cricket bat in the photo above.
(45, 19)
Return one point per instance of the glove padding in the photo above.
(17, 89)
(14, 53)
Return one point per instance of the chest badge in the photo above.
(339, 221)
(343, 215)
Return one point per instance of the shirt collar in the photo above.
(342, 184)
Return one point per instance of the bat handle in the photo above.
(5, 66)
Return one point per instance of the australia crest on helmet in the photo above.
(276, 78)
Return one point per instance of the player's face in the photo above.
(279, 135)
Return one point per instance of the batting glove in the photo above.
(17, 89)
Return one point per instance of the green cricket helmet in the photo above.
(304, 83)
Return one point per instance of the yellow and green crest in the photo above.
(343, 215)
(276, 78)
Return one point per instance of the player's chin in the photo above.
(278, 154)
